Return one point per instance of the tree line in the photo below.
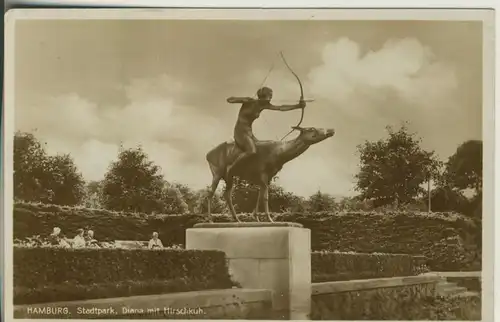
(393, 173)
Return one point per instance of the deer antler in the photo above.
(301, 94)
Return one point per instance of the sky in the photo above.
(85, 87)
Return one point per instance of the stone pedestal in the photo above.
(274, 256)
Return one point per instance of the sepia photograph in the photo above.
(244, 164)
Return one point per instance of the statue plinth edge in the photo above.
(247, 225)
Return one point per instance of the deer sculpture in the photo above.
(259, 168)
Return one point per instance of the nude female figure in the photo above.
(250, 111)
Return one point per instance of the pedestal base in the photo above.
(275, 256)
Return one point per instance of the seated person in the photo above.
(79, 241)
(155, 242)
(90, 241)
(54, 237)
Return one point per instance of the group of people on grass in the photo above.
(86, 239)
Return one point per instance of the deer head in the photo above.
(311, 135)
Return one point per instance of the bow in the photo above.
(301, 94)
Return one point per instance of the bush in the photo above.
(41, 273)
(450, 308)
(450, 241)
(337, 266)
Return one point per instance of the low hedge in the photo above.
(337, 266)
(45, 274)
(448, 240)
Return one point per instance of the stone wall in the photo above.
(372, 299)
(215, 304)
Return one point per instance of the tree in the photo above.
(444, 198)
(464, 169)
(245, 198)
(321, 202)
(217, 205)
(93, 192)
(393, 170)
(42, 178)
(133, 183)
(173, 200)
(189, 196)
(356, 203)
(30, 160)
(284, 201)
(64, 181)
(475, 206)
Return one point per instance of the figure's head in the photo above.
(313, 135)
(155, 235)
(56, 231)
(265, 94)
(80, 232)
(90, 233)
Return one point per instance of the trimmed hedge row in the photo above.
(37, 219)
(70, 292)
(449, 241)
(50, 265)
(50, 273)
(336, 266)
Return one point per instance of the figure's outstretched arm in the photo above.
(284, 108)
(239, 100)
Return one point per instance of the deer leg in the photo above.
(264, 189)
(229, 199)
(257, 204)
(211, 192)
(265, 195)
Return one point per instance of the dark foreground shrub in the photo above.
(337, 266)
(71, 292)
(462, 308)
(42, 273)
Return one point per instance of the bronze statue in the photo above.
(258, 161)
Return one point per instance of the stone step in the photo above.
(446, 285)
(451, 291)
(467, 294)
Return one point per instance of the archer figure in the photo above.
(250, 111)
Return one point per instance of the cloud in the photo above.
(357, 92)
(172, 134)
(403, 70)
(360, 93)
(312, 171)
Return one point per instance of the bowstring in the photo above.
(267, 75)
(264, 81)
